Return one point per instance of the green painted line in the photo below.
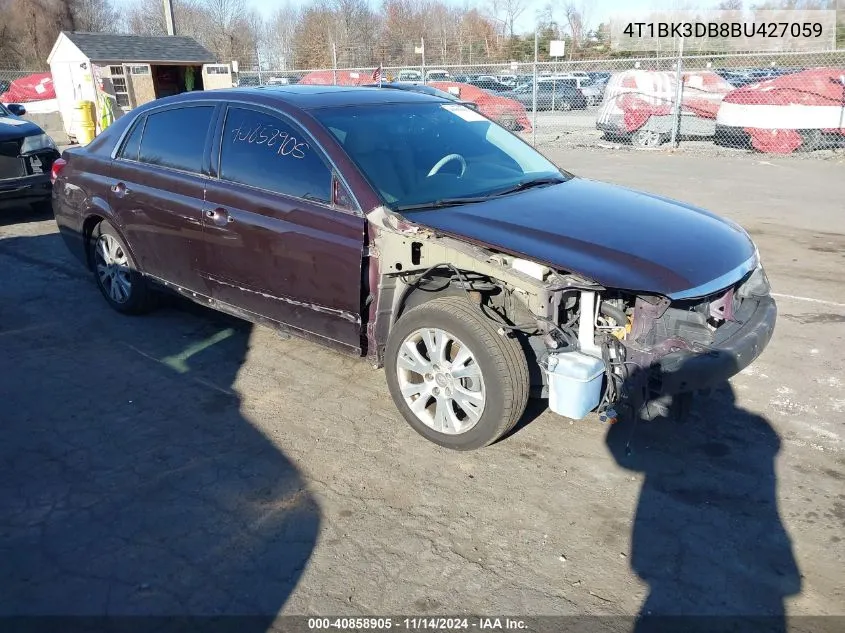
(178, 361)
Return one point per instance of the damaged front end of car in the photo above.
(588, 347)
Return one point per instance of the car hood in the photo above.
(617, 237)
(12, 128)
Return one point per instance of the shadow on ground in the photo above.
(132, 483)
(707, 537)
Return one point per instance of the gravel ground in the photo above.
(188, 463)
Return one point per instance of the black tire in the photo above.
(140, 298)
(501, 360)
(811, 140)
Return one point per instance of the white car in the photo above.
(409, 75)
(438, 75)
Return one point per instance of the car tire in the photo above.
(488, 392)
(811, 140)
(565, 106)
(647, 138)
(509, 123)
(115, 272)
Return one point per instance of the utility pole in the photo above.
(534, 99)
(168, 17)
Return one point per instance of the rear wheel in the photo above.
(456, 381)
(123, 287)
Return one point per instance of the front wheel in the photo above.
(456, 380)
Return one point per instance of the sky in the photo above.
(597, 10)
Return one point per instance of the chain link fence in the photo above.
(765, 102)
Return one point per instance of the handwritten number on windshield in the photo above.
(272, 137)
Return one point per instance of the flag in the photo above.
(377, 74)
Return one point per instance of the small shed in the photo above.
(132, 69)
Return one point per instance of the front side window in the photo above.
(176, 138)
(264, 151)
(424, 153)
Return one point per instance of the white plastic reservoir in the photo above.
(575, 381)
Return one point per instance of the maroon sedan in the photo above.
(415, 232)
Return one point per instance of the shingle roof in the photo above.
(140, 48)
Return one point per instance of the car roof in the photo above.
(307, 97)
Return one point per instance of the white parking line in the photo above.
(809, 300)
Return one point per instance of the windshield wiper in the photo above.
(442, 204)
(528, 184)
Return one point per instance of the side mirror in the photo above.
(17, 109)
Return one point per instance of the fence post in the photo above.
(679, 89)
(334, 64)
(422, 48)
(534, 96)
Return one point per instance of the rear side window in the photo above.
(176, 138)
(264, 151)
(132, 146)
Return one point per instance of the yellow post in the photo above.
(84, 127)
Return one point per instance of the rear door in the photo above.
(275, 243)
(158, 189)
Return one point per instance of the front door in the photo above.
(157, 192)
(274, 243)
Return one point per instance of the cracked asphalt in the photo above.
(188, 463)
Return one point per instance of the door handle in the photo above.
(120, 189)
(219, 216)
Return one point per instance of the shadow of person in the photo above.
(707, 537)
(132, 483)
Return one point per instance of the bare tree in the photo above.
(93, 15)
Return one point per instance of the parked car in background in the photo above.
(787, 113)
(26, 160)
(437, 75)
(407, 74)
(487, 82)
(508, 113)
(507, 79)
(413, 232)
(552, 94)
(637, 105)
(591, 90)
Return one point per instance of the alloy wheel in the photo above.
(113, 269)
(441, 381)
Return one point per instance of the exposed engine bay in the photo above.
(588, 347)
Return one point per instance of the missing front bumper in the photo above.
(685, 371)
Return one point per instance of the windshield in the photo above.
(4, 111)
(426, 153)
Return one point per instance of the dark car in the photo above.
(414, 232)
(26, 157)
(488, 83)
(552, 94)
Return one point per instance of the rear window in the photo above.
(132, 146)
(176, 138)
